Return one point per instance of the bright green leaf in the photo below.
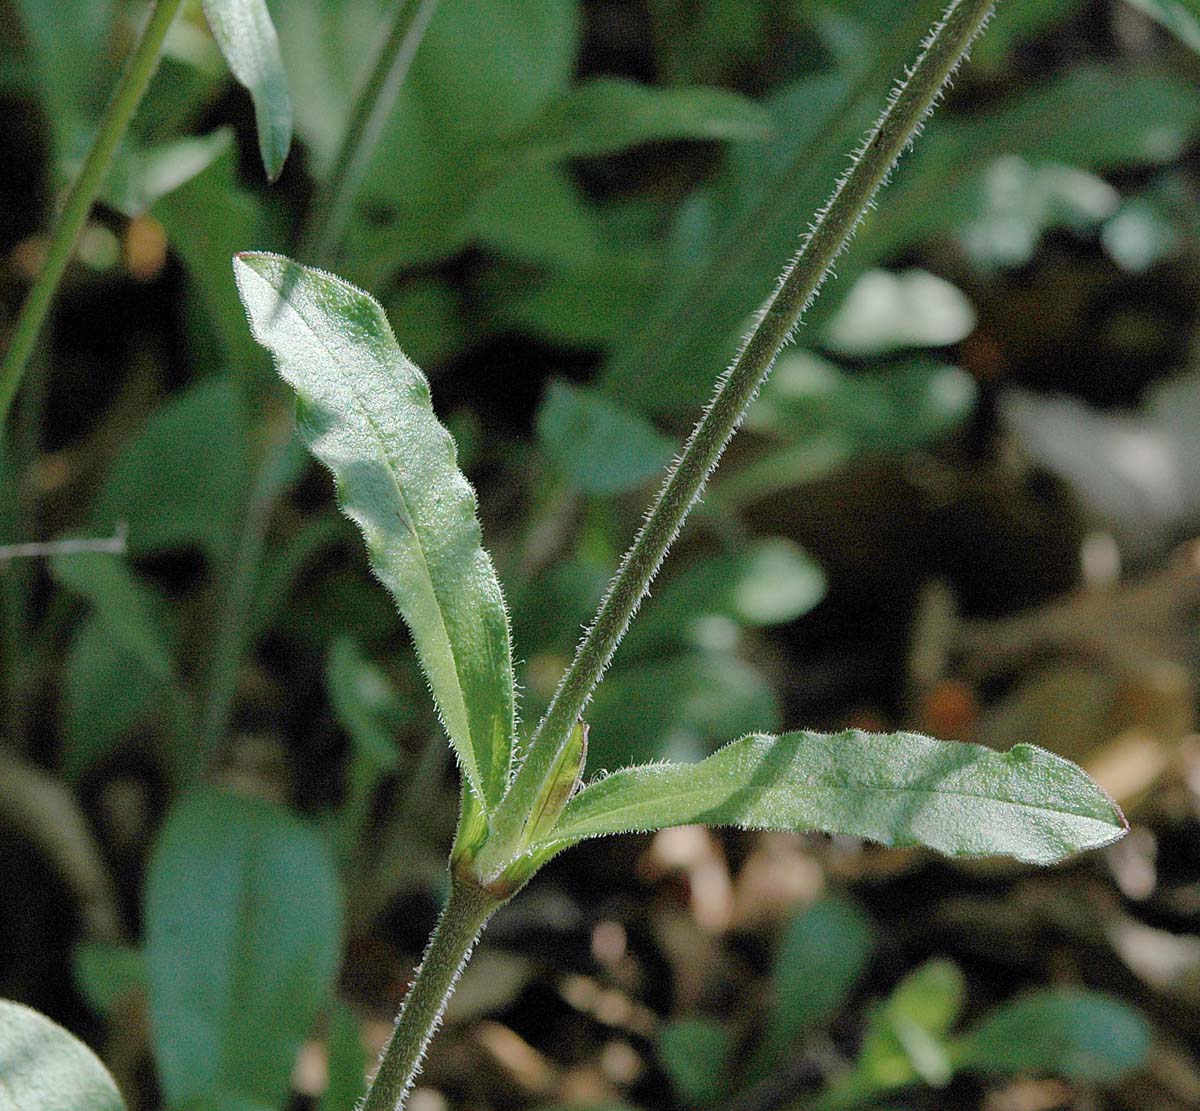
(906, 1034)
(604, 115)
(364, 410)
(246, 35)
(43, 1066)
(107, 973)
(600, 445)
(897, 789)
(242, 916)
(1078, 1035)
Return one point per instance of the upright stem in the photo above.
(81, 197)
(331, 207)
(466, 913)
(911, 103)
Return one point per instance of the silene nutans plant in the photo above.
(528, 790)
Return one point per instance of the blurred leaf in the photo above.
(772, 582)
(181, 479)
(222, 1099)
(347, 1062)
(232, 218)
(242, 917)
(598, 444)
(246, 36)
(897, 789)
(121, 604)
(108, 691)
(45, 1067)
(604, 115)
(107, 973)
(885, 312)
(695, 1052)
(1022, 20)
(1180, 17)
(679, 706)
(906, 1035)
(1078, 1035)
(536, 213)
(820, 957)
(364, 410)
(815, 418)
(69, 46)
(146, 174)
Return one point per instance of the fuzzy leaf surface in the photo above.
(364, 410)
(43, 1066)
(246, 36)
(897, 789)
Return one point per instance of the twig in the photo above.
(44, 549)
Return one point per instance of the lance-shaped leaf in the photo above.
(364, 410)
(43, 1066)
(897, 789)
(246, 36)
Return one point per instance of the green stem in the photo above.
(832, 229)
(466, 913)
(330, 210)
(81, 197)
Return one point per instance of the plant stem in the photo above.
(834, 226)
(332, 205)
(82, 195)
(462, 921)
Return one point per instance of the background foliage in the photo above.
(958, 507)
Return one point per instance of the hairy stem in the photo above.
(834, 226)
(466, 913)
(82, 195)
(331, 207)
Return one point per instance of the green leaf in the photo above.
(679, 706)
(820, 957)
(43, 1066)
(242, 916)
(246, 36)
(604, 115)
(364, 410)
(1078, 1035)
(1180, 17)
(906, 1035)
(107, 693)
(182, 478)
(601, 446)
(695, 1052)
(897, 789)
(107, 973)
(347, 1062)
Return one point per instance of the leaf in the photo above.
(906, 1035)
(246, 36)
(182, 478)
(597, 443)
(1180, 17)
(347, 1062)
(695, 1052)
(1078, 1035)
(242, 916)
(364, 410)
(679, 706)
(125, 608)
(605, 115)
(107, 973)
(106, 694)
(897, 789)
(820, 957)
(43, 1066)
